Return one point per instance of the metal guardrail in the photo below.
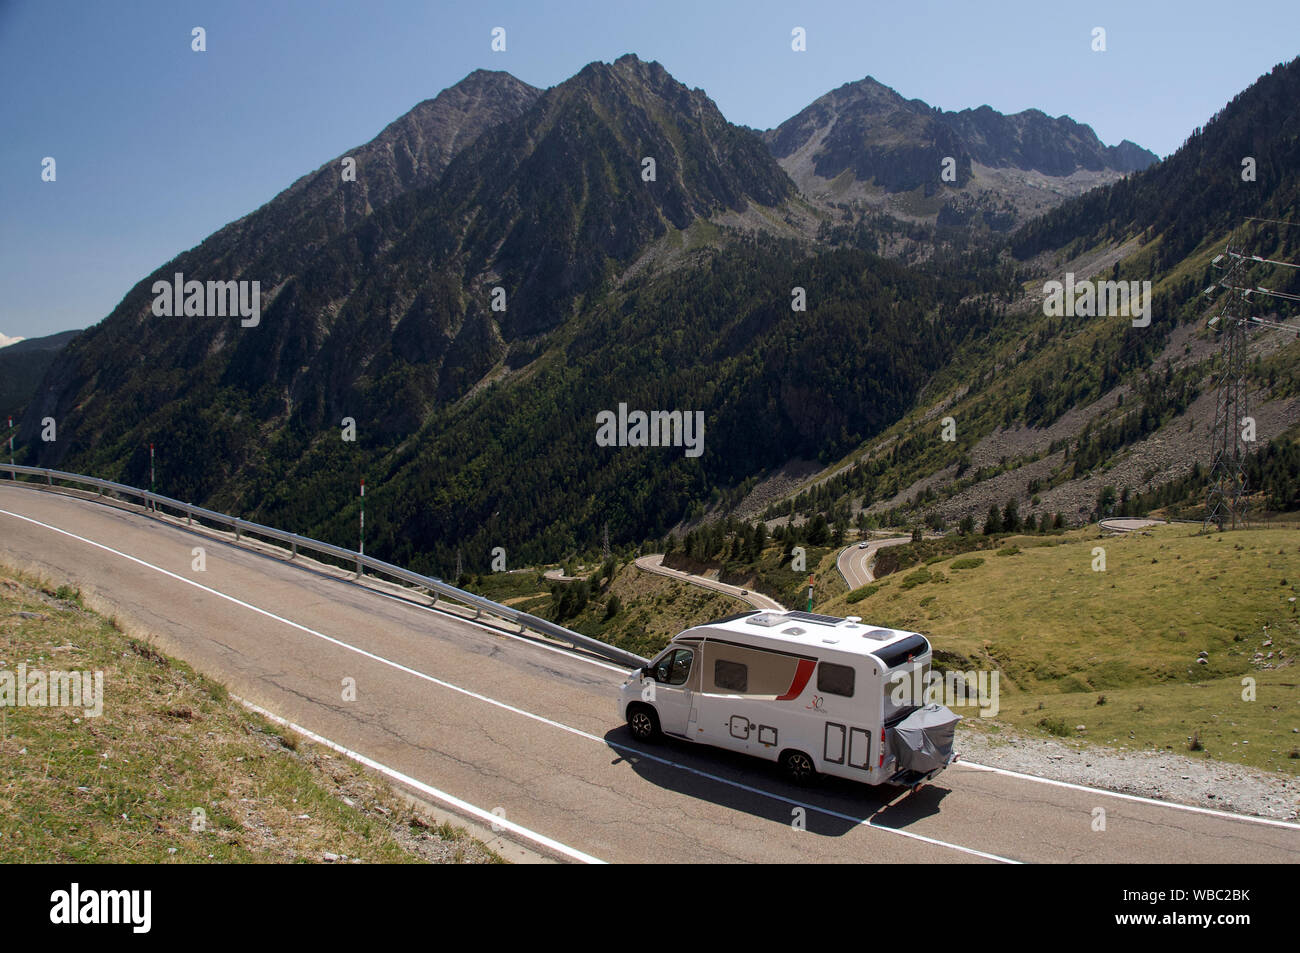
(296, 542)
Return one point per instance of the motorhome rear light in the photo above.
(882, 747)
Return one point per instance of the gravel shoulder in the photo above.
(1161, 775)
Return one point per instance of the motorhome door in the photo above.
(673, 695)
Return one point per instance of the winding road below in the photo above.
(854, 563)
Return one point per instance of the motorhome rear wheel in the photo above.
(798, 767)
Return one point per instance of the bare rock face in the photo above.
(864, 143)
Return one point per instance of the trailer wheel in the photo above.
(643, 722)
(797, 767)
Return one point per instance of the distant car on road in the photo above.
(863, 545)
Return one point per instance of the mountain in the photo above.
(275, 245)
(1199, 192)
(864, 143)
(476, 426)
(387, 317)
(23, 364)
(1076, 415)
(558, 198)
(410, 153)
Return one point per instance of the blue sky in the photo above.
(158, 146)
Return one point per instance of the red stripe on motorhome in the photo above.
(801, 676)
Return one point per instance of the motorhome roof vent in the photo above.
(880, 635)
(766, 619)
(793, 630)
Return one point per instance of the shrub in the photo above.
(914, 579)
(68, 594)
(862, 592)
(1055, 726)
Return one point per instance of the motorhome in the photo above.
(810, 692)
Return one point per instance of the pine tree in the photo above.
(993, 524)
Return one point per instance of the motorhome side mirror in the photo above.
(647, 671)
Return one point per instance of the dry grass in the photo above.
(1060, 634)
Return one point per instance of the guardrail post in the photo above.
(236, 532)
(189, 516)
(293, 552)
(48, 481)
(360, 570)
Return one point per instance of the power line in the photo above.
(1256, 321)
(1266, 261)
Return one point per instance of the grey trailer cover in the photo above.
(923, 740)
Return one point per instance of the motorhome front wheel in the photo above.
(643, 723)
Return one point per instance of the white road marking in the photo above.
(1132, 797)
(867, 822)
(449, 799)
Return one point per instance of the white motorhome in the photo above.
(811, 692)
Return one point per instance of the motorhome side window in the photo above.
(731, 676)
(835, 679)
(675, 667)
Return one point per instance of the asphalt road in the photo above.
(530, 730)
(1126, 525)
(854, 564)
(654, 563)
